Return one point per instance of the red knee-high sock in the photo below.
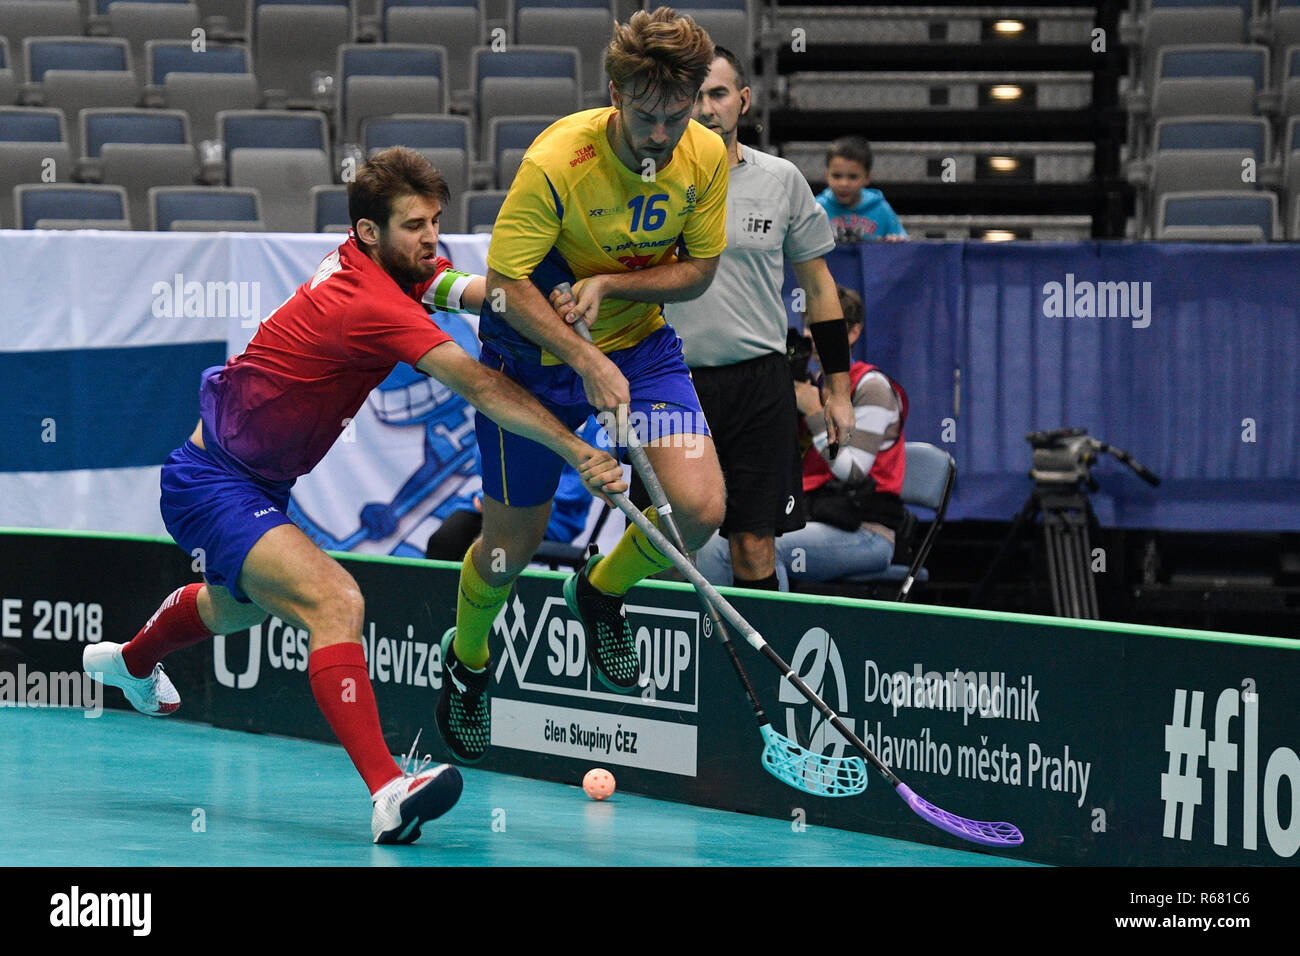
(174, 625)
(341, 686)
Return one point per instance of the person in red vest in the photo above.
(853, 499)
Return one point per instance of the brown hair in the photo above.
(742, 75)
(659, 51)
(853, 148)
(851, 304)
(388, 175)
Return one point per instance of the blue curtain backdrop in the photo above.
(1197, 377)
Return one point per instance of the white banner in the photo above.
(123, 500)
(590, 735)
(76, 290)
(100, 290)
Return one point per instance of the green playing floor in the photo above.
(125, 790)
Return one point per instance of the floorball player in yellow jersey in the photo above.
(627, 203)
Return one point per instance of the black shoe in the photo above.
(610, 645)
(463, 717)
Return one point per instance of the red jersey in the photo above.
(888, 468)
(277, 407)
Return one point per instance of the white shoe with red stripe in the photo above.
(153, 695)
(406, 802)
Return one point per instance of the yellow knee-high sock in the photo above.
(476, 608)
(632, 559)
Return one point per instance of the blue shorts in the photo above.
(522, 473)
(212, 510)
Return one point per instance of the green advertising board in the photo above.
(1105, 744)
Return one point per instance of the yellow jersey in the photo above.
(574, 210)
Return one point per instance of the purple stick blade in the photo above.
(989, 834)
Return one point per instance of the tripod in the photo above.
(1066, 516)
(1062, 481)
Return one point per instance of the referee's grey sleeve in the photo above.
(809, 235)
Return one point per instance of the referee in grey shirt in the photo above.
(734, 334)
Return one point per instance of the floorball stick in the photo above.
(976, 831)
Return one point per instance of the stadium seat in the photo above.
(383, 80)
(1230, 233)
(20, 19)
(30, 124)
(1291, 138)
(1211, 79)
(1246, 7)
(284, 178)
(1219, 96)
(1216, 132)
(331, 208)
(282, 154)
(457, 25)
(71, 205)
(163, 58)
(508, 139)
(1147, 32)
(1285, 33)
(76, 54)
(1218, 149)
(480, 208)
(1187, 170)
(418, 131)
(1215, 60)
(927, 483)
(101, 128)
(201, 83)
(76, 73)
(525, 81)
(730, 23)
(443, 140)
(291, 41)
(100, 9)
(8, 79)
(272, 129)
(1290, 88)
(1291, 173)
(1201, 79)
(33, 147)
(1218, 216)
(206, 208)
(139, 21)
(585, 24)
(224, 18)
(138, 149)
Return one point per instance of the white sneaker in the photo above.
(406, 802)
(153, 695)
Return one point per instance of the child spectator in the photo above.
(857, 213)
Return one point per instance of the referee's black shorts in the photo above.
(752, 415)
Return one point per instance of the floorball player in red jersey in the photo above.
(269, 415)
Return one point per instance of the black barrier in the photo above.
(1106, 744)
